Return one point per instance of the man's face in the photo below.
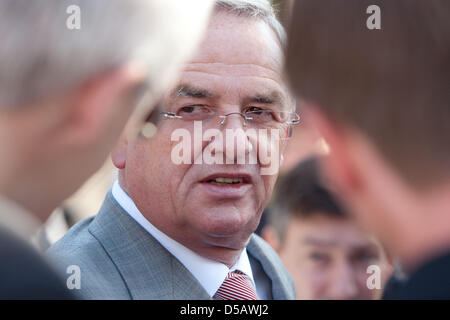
(328, 258)
(238, 66)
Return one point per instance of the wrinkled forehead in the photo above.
(240, 41)
(335, 234)
(340, 241)
(230, 84)
(239, 57)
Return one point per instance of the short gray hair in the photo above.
(262, 9)
(41, 56)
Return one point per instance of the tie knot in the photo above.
(236, 286)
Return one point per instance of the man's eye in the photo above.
(188, 109)
(191, 110)
(366, 257)
(259, 114)
(254, 110)
(318, 257)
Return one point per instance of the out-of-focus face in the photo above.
(328, 258)
(211, 206)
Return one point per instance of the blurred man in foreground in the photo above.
(65, 96)
(380, 98)
(323, 248)
(179, 222)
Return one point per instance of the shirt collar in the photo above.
(209, 273)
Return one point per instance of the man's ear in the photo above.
(270, 235)
(104, 102)
(337, 165)
(119, 154)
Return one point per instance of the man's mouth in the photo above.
(221, 181)
(228, 180)
(225, 185)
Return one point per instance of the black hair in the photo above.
(302, 193)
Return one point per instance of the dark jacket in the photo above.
(428, 282)
(25, 274)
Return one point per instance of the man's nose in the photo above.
(236, 145)
(234, 120)
(343, 284)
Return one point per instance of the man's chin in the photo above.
(225, 223)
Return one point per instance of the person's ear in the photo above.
(338, 164)
(270, 235)
(119, 154)
(104, 103)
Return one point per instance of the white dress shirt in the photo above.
(209, 273)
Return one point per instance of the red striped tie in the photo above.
(236, 286)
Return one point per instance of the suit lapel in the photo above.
(147, 268)
(280, 284)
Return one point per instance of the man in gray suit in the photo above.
(179, 222)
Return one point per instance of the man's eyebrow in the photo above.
(313, 241)
(187, 91)
(273, 97)
(365, 246)
(319, 242)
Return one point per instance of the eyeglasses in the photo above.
(253, 117)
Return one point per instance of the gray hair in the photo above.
(41, 56)
(262, 9)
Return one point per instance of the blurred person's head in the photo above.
(305, 142)
(67, 93)
(324, 249)
(381, 100)
(213, 207)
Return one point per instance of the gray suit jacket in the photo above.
(118, 259)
